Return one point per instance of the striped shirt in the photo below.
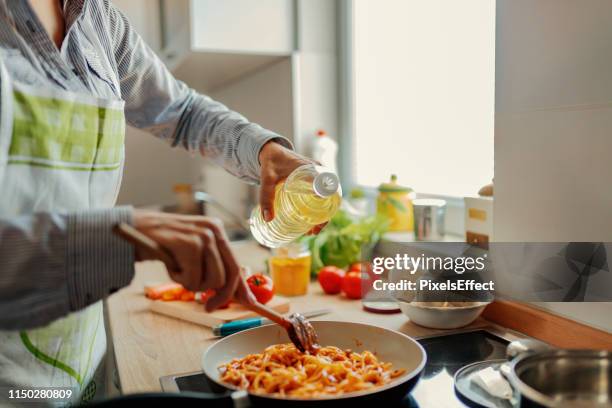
(55, 263)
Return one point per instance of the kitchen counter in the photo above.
(148, 346)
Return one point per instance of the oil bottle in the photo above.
(310, 196)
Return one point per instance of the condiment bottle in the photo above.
(310, 196)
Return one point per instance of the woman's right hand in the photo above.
(201, 251)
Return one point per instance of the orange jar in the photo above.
(290, 269)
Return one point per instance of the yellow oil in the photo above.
(297, 209)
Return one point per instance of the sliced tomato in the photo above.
(158, 291)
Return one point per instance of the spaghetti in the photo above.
(283, 370)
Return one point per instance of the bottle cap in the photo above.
(326, 184)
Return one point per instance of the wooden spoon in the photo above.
(300, 331)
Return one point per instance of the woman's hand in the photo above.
(201, 251)
(277, 162)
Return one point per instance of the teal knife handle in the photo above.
(238, 325)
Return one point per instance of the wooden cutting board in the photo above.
(195, 313)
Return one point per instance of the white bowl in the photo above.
(442, 317)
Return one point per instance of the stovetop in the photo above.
(446, 354)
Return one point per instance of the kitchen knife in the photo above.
(225, 329)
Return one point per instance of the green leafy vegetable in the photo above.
(341, 242)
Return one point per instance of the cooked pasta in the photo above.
(283, 370)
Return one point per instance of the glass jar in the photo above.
(290, 269)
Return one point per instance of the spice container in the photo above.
(429, 215)
(395, 202)
(290, 269)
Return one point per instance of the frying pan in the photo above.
(388, 345)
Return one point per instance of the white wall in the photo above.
(553, 130)
(317, 68)
(152, 168)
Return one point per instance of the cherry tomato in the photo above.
(330, 279)
(262, 287)
(351, 285)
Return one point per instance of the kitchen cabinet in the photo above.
(245, 26)
(212, 43)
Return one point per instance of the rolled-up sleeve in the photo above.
(169, 109)
(53, 264)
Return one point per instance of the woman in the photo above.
(72, 73)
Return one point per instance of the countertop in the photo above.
(148, 346)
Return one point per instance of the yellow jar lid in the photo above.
(393, 187)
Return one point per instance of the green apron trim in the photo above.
(56, 133)
(49, 360)
(34, 163)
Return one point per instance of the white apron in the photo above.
(60, 152)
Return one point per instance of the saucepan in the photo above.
(552, 378)
(388, 345)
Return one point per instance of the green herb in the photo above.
(341, 242)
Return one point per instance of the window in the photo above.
(422, 93)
